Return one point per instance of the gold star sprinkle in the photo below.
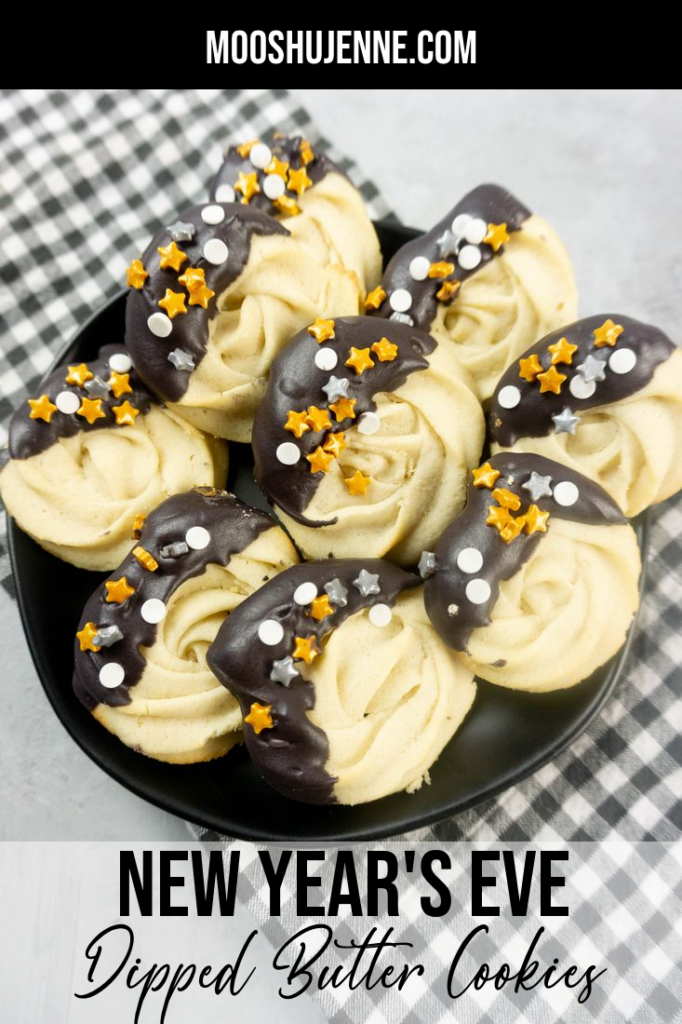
(320, 460)
(535, 520)
(551, 380)
(245, 147)
(322, 330)
(297, 423)
(173, 303)
(41, 408)
(288, 206)
(200, 297)
(171, 256)
(511, 529)
(125, 414)
(136, 275)
(562, 351)
(306, 150)
(496, 236)
(305, 649)
(278, 167)
(375, 297)
(441, 269)
(248, 185)
(360, 360)
(299, 181)
(529, 368)
(91, 409)
(344, 409)
(78, 375)
(507, 499)
(385, 350)
(607, 334)
(321, 608)
(85, 637)
(318, 419)
(193, 278)
(120, 384)
(497, 516)
(358, 483)
(259, 717)
(145, 559)
(448, 290)
(485, 475)
(118, 591)
(335, 444)
(138, 526)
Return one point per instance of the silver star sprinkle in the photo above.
(592, 368)
(337, 593)
(448, 243)
(336, 387)
(538, 486)
(402, 318)
(106, 636)
(181, 360)
(181, 231)
(452, 610)
(175, 550)
(427, 564)
(565, 422)
(283, 671)
(97, 388)
(367, 583)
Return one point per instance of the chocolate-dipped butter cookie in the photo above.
(92, 450)
(602, 395)
(140, 650)
(347, 692)
(365, 437)
(489, 278)
(536, 582)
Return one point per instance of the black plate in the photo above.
(507, 735)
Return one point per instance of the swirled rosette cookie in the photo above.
(603, 396)
(491, 277)
(286, 178)
(140, 651)
(365, 437)
(347, 692)
(213, 299)
(92, 451)
(536, 582)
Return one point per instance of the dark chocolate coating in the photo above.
(286, 148)
(232, 525)
(492, 204)
(29, 437)
(190, 329)
(532, 417)
(292, 754)
(501, 561)
(295, 383)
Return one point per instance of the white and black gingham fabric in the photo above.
(85, 179)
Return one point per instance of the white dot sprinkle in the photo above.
(475, 231)
(270, 632)
(305, 593)
(469, 560)
(380, 615)
(622, 360)
(111, 675)
(478, 591)
(215, 251)
(153, 610)
(197, 538)
(213, 214)
(120, 362)
(509, 397)
(260, 155)
(369, 423)
(225, 193)
(68, 402)
(469, 257)
(273, 186)
(160, 325)
(419, 268)
(460, 223)
(400, 300)
(288, 453)
(326, 359)
(581, 388)
(566, 493)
